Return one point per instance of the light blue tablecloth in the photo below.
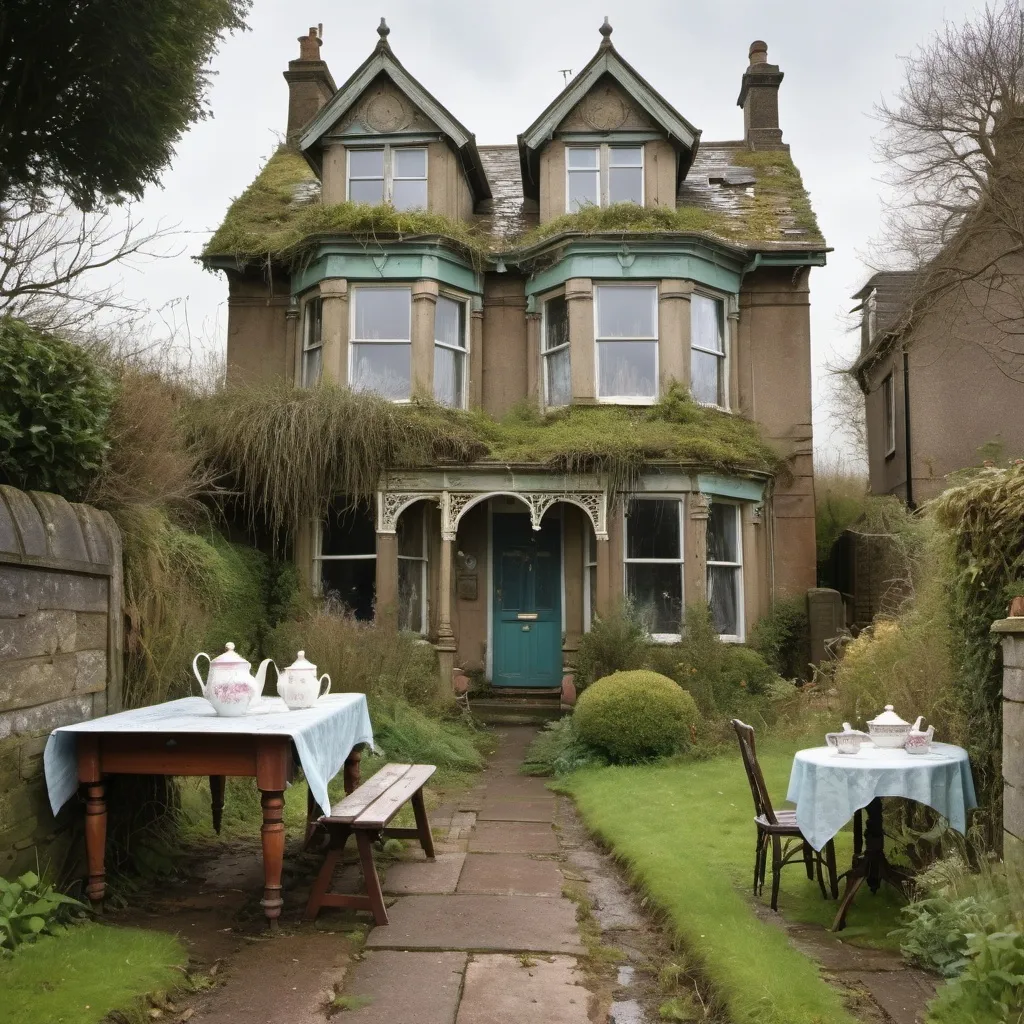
(324, 735)
(828, 787)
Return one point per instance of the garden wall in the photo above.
(61, 633)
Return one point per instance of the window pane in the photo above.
(722, 546)
(556, 322)
(626, 313)
(652, 529)
(366, 163)
(582, 157)
(349, 532)
(559, 378)
(314, 324)
(626, 185)
(449, 374)
(626, 156)
(626, 369)
(352, 584)
(385, 369)
(583, 189)
(706, 323)
(311, 362)
(656, 592)
(410, 594)
(383, 313)
(724, 599)
(409, 195)
(409, 163)
(410, 531)
(706, 377)
(450, 322)
(371, 192)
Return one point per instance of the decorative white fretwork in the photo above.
(594, 503)
(391, 504)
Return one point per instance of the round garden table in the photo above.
(830, 788)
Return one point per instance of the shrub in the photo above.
(406, 734)
(615, 643)
(782, 638)
(30, 908)
(558, 750)
(991, 988)
(632, 716)
(54, 403)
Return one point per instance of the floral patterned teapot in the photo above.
(919, 740)
(229, 686)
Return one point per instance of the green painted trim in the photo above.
(731, 487)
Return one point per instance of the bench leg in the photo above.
(370, 879)
(322, 884)
(419, 808)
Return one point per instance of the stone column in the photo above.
(534, 380)
(476, 354)
(446, 645)
(603, 569)
(1012, 632)
(424, 304)
(695, 557)
(334, 329)
(579, 296)
(386, 606)
(293, 336)
(732, 364)
(674, 333)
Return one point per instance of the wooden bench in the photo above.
(367, 812)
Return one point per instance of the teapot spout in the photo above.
(916, 727)
(261, 675)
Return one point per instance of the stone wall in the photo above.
(60, 655)
(1012, 632)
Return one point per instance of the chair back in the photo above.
(759, 791)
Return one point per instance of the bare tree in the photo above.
(954, 143)
(51, 255)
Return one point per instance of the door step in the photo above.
(523, 707)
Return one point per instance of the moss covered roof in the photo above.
(751, 199)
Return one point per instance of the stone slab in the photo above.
(518, 810)
(502, 990)
(424, 876)
(512, 837)
(521, 787)
(510, 874)
(406, 988)
(543, 924)
(902, 994)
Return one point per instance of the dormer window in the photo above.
(388, 174)
(602, 175)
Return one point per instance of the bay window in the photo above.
(707, 350)
(725, 570)
(312, 343)
(602, 175)
(626, 335)
(380, 352)
(555, 352)
(450, 345)
(388, 174)
(345, 561)
(654, 564)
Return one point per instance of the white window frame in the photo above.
(603, 171)
(661, 638)
(590, 543)
(723, 306)
(424, 575)
(314, 302)
(627, 399)
(387, 161)
(741, 612)
(353, 340)
(319, 557)
(545, 353)
(463, 301)
(889, 413)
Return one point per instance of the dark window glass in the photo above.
(653, 529)
(350, 532)
(351, 583)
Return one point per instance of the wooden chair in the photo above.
(367, 812)
(779, 828)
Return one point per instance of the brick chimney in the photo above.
(310, 84)
(759, 98)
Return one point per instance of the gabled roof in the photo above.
(383, 61)
(893, 291)
(607, 61)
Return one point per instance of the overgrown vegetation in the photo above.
(30, 908)
(631, 218)
(780, 198)
(840, 499)
(782, 638)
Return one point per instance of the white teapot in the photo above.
(229, 686)
(888, 729)
(299, 686)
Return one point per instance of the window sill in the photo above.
(626, 401)
(729, 639)
(715, 406)
(665, 638)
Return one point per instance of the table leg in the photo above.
(352, 770)
(874, 844)
(95, 841)
(217, 800)
(272, 833)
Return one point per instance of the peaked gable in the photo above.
(607, 107)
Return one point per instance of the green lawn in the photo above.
(81, 976)
(685, 829)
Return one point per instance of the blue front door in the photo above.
(527, 602)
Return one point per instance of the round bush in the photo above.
(633, 716)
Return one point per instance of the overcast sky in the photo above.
(496, 66)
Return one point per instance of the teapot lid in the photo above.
(301, 664)
(229, 657)
(888, 717)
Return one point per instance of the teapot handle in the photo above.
(195, 669)
(328, 690)
(832, 739)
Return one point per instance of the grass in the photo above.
(684, 830)
(88, 972)
(631, 218)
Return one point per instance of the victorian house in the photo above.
(625, 259)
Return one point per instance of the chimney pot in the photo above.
(310, 84)
(758, 52)
(309, 46)
(759, 98)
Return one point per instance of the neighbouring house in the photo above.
(610, 271)
(938, 386)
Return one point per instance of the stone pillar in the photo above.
(476, 354)
(695, 557)
(386, 606)
(534, 371)
(826, 618)
(1012, 632)
(603, 568)
(732, 363)
(446, 646)
(579, 296)
(674, 333)
(293, 336)
(334, 329)
(424, 305)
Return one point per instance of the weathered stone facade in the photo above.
(60, 653)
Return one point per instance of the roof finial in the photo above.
(606, 32)
(383, 31)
